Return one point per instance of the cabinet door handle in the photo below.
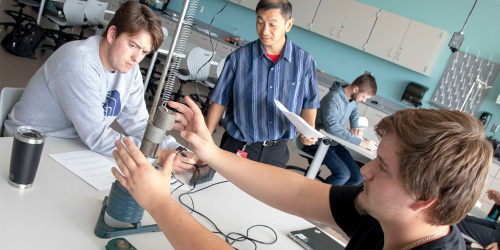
(333, 31)
(390, 53)
(398, 55)
(340, 34)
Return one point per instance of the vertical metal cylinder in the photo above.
(318, 158)
(164, 118)
(149, 149)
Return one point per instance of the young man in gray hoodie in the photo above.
(86, 85)
(336, 108)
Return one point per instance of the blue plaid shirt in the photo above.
(250, 82)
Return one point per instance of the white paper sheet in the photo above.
(95, 169)
(301, 125)
(92, 167)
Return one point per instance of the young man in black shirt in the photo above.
(430, 168)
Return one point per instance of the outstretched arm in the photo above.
(151, 189)
(280, 188)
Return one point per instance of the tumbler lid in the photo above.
(30, 135)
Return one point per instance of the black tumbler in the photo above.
(27, 149)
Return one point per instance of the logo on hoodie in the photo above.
(112, 105)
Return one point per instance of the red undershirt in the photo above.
(273, 57)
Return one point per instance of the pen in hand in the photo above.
(179, 151)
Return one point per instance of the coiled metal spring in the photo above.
(179, 50)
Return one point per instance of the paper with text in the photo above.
(95, 169)
(301, 125)
(92, 167)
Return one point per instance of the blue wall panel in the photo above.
(481, 33)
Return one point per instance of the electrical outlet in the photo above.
(202, 8)
(456, 41)
(494, 128)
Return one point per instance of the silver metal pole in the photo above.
(175, 39)
(150, 70)
(318, 158)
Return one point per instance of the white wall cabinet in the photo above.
(322, 91)
(170, 25)
(303, 12)
(224, 49)
(329, 17)
(373, 115)
(251, 4)
(202, 40)
(421, 47)
(387, 35)
(357, 25)
(362, 109)
(411, 44)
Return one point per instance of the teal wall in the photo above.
(481, 33)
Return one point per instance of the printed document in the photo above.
(301, 125)
(95, 168)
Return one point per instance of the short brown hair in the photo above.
(132, 18)
(284, 6)
(366, 84)
(444, 155)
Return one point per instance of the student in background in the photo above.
(430, 168)
(269, 68)
(485, 232)
(336, 108)
(86, 85)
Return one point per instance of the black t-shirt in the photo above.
(365, 231)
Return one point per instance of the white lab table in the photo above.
(60, 211)
(358, 153)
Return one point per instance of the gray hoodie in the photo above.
(335, 110)
(72, 95)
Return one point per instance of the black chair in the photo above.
(19, 16)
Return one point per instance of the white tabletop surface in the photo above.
(60, 211)
(358, 153)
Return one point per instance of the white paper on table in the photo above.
(301, 125)
(92, 167)
(95, 169)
